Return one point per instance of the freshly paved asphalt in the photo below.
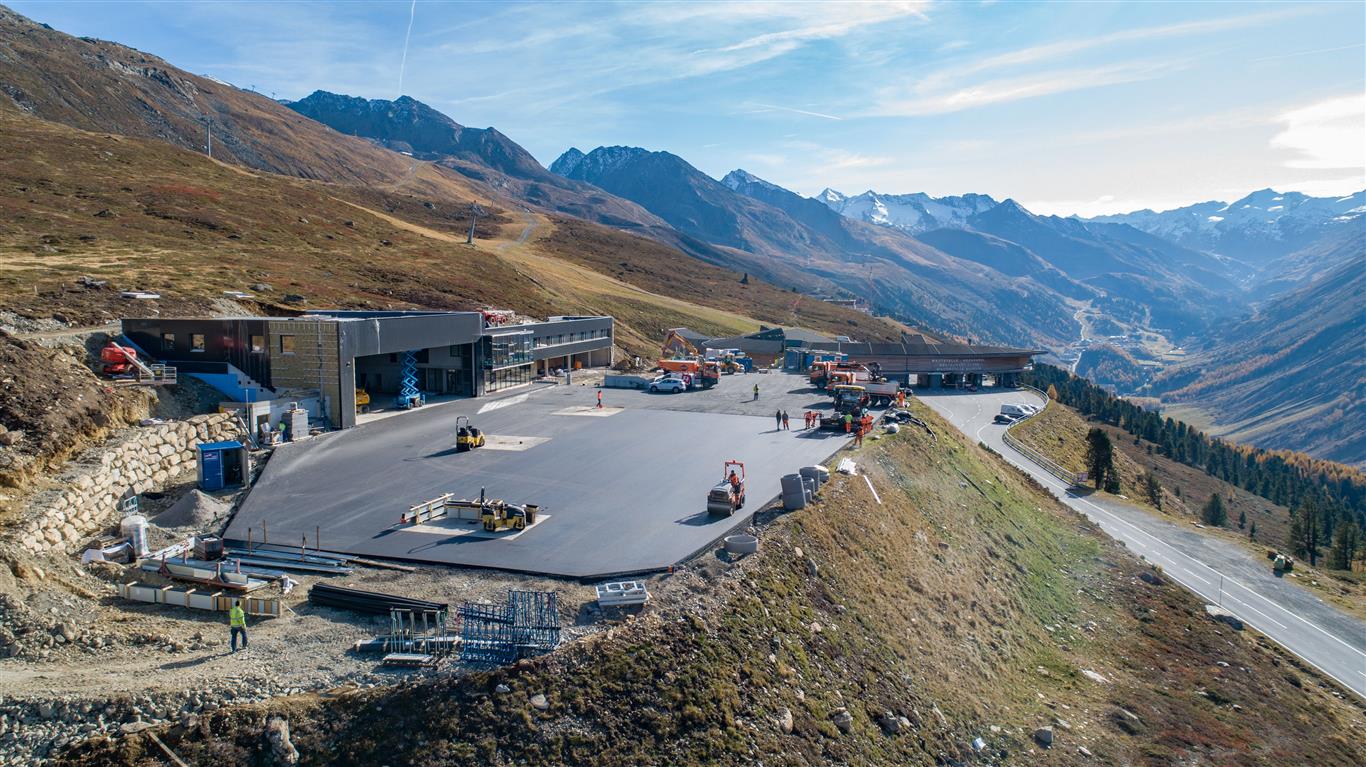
(1219, 571)
(624, 492)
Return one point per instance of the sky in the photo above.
(1068, 107)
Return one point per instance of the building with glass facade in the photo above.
(336, 353)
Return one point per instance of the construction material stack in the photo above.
(371, 602)
(527, 624)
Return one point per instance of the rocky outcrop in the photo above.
(140, 459)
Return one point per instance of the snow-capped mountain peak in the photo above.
(912, 213)
(741, 177)
(1261, 225)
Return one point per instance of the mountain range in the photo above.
(969, 266)
(1257, 229)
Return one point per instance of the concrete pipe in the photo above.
(818, 473)
(741, 544)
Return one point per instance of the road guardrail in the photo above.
(1043, 461)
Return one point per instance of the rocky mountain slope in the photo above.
(484, 154)
(102, 86)
(1256, 229)
(960, 617)
(776, 233)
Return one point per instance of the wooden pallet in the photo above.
(410, 660)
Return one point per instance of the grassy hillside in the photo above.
(141, 214)
(1060, 433)
(966, 604)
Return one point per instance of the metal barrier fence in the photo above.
(1043, 461)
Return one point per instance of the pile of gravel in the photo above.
(193, 510)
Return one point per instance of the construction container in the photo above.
(222, 464)
(134, 528)
(793, 492)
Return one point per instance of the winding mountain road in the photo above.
(1220, 572)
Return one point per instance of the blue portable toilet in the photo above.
(222, 465)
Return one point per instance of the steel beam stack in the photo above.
(366, 601)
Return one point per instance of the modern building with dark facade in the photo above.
(334, 353)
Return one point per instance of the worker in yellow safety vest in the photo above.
(237, 619)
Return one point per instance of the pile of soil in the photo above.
(195, 510)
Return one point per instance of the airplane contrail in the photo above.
(412, 10)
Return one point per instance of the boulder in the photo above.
(1044, 737)
(843, 720)
(539, 702)
(282, 750)
(1217, 613)
(785, 721)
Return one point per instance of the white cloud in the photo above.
(1103, 205)
(956, 88)
(1025, 87)
(1329, 134)
(774, 107)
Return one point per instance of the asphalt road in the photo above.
(622, 490)
(1219, 571)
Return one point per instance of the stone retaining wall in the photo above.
(142, 459)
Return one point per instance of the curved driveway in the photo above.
(1219, 571)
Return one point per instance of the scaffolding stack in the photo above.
(528, 624)
(417, 638)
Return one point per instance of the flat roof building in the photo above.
(334, 353)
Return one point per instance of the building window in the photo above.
(286, 344)
(258, 344)
(507, 350)
(196, 342)
(506, 378)
(168, 342)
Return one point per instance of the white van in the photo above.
(1016, 411)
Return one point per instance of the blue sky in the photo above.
(1067, 107)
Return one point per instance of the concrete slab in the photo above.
(627, 493)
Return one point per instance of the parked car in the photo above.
(670, 385)
(1003, 418)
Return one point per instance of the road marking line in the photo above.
(1255, 610)
(501, 403)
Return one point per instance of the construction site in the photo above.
(561, 500)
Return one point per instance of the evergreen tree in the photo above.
(1214, 513)
(1153, 489)
(1242, 519)
(1252, 531)
(1345, 544)
(1304, 530)
(1100, 456)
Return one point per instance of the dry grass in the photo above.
(144, 215)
